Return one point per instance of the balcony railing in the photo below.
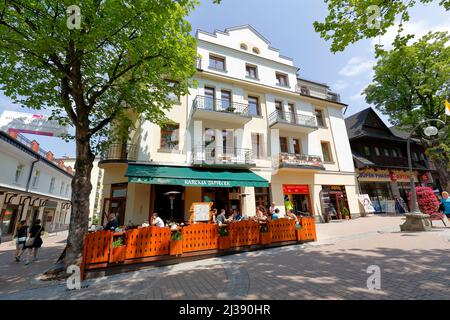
(227, 106)
(333, 97)
(198, 63)
(290, 160)
(292, 118)
(223, 156)
(305, 90)
(120, 152)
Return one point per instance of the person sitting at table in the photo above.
(221, 219)
(214, 216)
(276, 214)
(272, 208)
(112, 224)
(260, 215)
(292, 216)
(236, 216)
(157, 221)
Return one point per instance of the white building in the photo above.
(32, 186)
(252, 132)
(96, 198)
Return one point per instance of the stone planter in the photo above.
(265, 238)
(416, 222)
(224, 243)
(175, 247)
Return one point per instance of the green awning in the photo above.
(193, 177)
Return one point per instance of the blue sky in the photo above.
(287, 24)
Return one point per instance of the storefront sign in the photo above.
(31, 123)
(207, 183)
(295, 189)
(393, 176)
(385, 175)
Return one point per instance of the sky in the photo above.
(288, 25)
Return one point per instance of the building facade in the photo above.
(250, 133)
(96, 198)
(380, 157)
(33, 185)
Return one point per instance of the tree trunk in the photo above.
(81, 191)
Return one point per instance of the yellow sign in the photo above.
(447, 108)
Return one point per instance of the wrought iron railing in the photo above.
(227, 106)
(214, 155)
(120, 151)
(292, 118)
(305, 90)
(298, 161)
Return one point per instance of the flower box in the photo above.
(117, 254)
(118, 247)
(224, 243)
(176, 247)
(265, 238)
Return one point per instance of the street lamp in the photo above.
(429, 131)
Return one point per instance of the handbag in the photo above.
(30, 241)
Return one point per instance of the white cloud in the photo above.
(355, 66)
(419, 29)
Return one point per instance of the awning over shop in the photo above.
(193, 177)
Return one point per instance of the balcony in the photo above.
(292, 122)
(223, 157)
(206, 108)
(120, 152)
(305, 90)
(298, 161)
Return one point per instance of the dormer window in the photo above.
(244, 46)
(255, 50)
(282, 79)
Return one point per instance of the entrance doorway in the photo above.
(337, 201)
(297, 198)
(8, 220)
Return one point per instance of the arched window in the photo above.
(244, 46)
(255, 50)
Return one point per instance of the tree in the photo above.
(114, 66)
(411, 83)
(349, 21)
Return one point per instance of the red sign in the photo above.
(393, 176)
(425, 177)
(296, 189)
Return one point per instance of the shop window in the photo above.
(366, 150)
(19, 171)
(319, 118)
(169, 137)
(35, 179)
(253, 105)
(216, 62)
(326, 151)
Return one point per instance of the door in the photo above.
(297, 148)
(210, 96)
(291, 116)
(226, 101)
(284, 145)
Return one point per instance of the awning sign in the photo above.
(31, 123)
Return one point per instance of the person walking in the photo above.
(21, 238)
(446, 203)
(34, 241)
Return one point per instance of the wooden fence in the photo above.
(104, 248)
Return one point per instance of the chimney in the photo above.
(50, 156)
(12, 133)
(69, 169)
(61, 164)
(35, 146)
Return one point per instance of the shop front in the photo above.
(388, 189)
(335, 201)
(298, 199)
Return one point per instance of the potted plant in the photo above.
(118, 247)
(345, 213)
(265, 237)
(224, 238)
(176, 243)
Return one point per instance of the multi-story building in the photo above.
(96, 197)
(250, 133)
(380, 156)
(33, 185)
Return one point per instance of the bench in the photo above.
(437, 216)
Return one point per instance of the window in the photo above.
(262, 197)
(422, 156)
(255, 50)
(216, 62)
(366, 150)
(377, 151)
(279, 109)
(251, 71)
(19, 171)
(282, 79)
(319, 118)
(326, 152)
(284, 145)
(52, 185)
(244, 46)
(253, 104)
(394, 153)
(35, 180)
(210, 96)
(227, 141)
(169, 137)
(386, 152)
(226, 99)
(67, 190)
(257, 145)
(61, 189)
(415, 156)
(297, 146)
(292, 113)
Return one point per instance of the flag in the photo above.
(447, 108)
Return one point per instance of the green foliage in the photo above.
(345, 212)
(177, 235)
(114, 67)
(118, 242)
(95, 219)
(223, 232)
(349, 21)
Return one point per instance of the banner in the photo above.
(31, 124)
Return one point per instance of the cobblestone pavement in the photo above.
(413, 266)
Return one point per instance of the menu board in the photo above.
(364, 199)
(201, 211)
